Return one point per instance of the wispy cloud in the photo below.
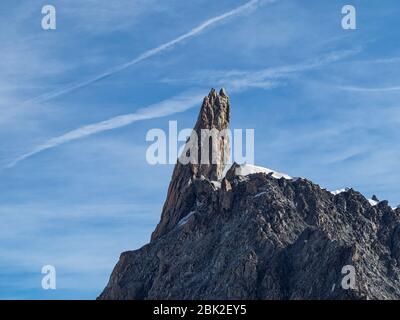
(150, 53)
(240, 81)
(176, 104)
(369, 89)
(381, 60)
(267, 78)
(251, 79)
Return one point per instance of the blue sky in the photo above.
(324, 103)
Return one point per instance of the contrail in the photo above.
(176, 104)
(266, 78)
(195, 31)
(382, 60)
(366, 89)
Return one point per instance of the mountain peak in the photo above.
(259, 234)
(223, 93)
(214, 115)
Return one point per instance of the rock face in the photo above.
(259, 237)
(214, 114)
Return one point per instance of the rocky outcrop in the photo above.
(257, 236)
(214, 114)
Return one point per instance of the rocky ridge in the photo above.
(257, 234)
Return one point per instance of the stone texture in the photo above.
(214, 114)
(257, 237)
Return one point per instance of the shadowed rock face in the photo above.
(214, 114)
(258, 237)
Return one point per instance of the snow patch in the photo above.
(247, 169)
(185, 219)
(260, 194)
(372, 202)
(216, 184)
(336, 192)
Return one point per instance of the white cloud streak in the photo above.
(174, 105)
(267, 78)
(366, 89)
(382, 60)
(150, 53)
(254, 79)
(183, 102)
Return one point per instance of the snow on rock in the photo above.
(372, 202)
(216, 184)
(247, 169)
(336, 192)
(185, 219)
(260, 194)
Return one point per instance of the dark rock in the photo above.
(257, 237)
(214, 114)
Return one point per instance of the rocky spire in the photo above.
(260, 235)
(214, 114)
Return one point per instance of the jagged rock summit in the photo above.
(259, 234)
(214, 114)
